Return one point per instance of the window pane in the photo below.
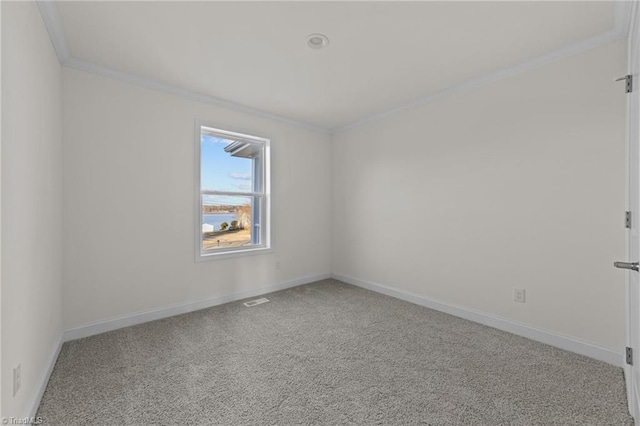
(229, 221)
(228, 165)
(233, 192)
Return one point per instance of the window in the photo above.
(233, 203)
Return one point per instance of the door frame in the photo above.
(633, 146)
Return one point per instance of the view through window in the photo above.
(233, 197)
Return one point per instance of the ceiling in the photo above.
(382, 55)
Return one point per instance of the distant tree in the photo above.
(224, 225)
(234, 223)
(244, 216)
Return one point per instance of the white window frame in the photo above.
(264, 226)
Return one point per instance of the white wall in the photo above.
(519, 183)
(31, 204)
(129, 206)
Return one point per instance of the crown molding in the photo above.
(622, 23)
(494, 76)
(51, 20)
(92, 67)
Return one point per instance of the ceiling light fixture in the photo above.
(317, 41)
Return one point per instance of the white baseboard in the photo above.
(633, 399)
(34, 402)
(122, 321)
(634, 403)
(552, 338)
(562, 341)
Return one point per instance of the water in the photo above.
(216, 219)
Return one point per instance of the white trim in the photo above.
(476, 82)
(44, 379)
(122, 321)
(635, 403)
(622, 22)
(562, 341)
(229, 253)
(52, 22)
(91, 67)
(633, 31)
(265, 245)
(49, 13)
(632, 401)
(622, 19)
(622, 13)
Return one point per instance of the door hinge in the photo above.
(627, 220)
(628, 82)
(629, 354)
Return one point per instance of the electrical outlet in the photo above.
(278, 265)
(518, 295)
(17, 379)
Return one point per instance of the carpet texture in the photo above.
(326, 353)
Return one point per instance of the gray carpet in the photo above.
(326, 353)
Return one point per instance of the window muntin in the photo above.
(233, 210)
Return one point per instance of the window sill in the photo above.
(205, 257)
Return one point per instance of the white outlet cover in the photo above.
(519, 295)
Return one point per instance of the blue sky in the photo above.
(222, 172)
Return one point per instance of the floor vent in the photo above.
(255, 302)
